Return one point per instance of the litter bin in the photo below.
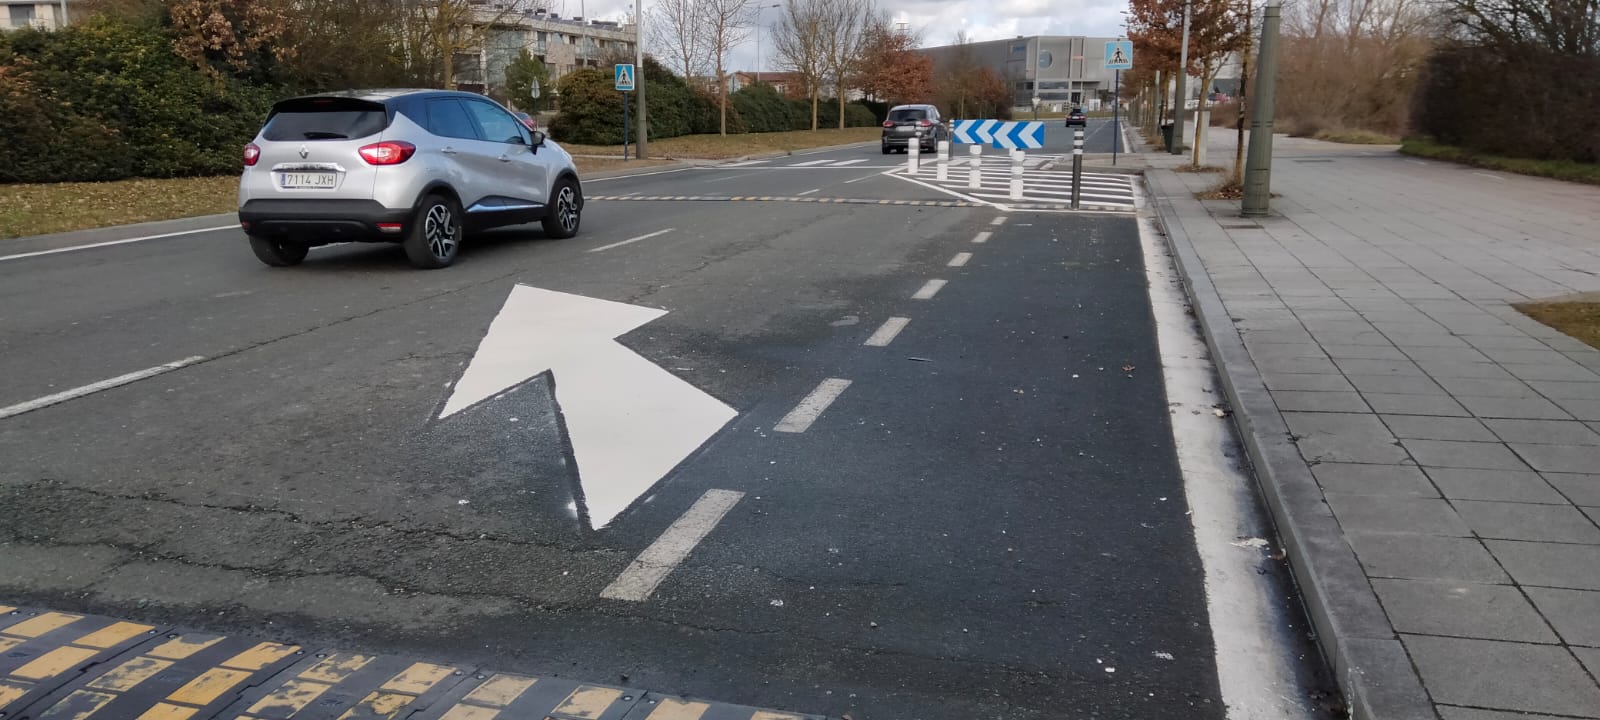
(1166, 136)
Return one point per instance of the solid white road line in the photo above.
(743, 164)
(809, 163)
(109, 243)
(848, 162)
(859, 179)
(960, 260)
(800, 418)
(984, 236)
(928, 290)
(887, 332)
(631, 240)
(664, 555)
(808, 192)
(640, 175)
(999, 220)
(92, 388)
(1487, 175)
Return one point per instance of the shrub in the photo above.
(1515, 101)
(591, 108)
(763, 110)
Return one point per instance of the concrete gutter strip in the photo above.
(1369, 663)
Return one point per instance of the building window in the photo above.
(1045, 58)
(21, 15)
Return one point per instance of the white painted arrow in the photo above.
(629, 421)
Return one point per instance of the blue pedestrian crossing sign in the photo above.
(625, 77)
(1119, 55)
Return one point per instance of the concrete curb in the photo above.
(1368, 661)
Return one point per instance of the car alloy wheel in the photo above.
(567, 208)
(440, 229)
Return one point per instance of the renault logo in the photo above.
(304, 152)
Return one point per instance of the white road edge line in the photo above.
(646, 572)
(109, 243)
(631, 240)
(1487, 175)
(800, 418)
(984, 236)
(808, 192)
(638, 175)
(92, 388)
(928, 290)
(887, 332)
(960, 260)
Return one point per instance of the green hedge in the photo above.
(591, 107)
(102, 101)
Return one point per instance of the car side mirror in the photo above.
(538, 138)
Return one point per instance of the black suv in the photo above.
(1076, 116)
(906, 122)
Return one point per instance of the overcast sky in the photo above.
(935, 21)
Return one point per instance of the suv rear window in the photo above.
(325, 119)
(907, 115)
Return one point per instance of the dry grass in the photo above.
(1226, 189)
(1193, 168)
(722, 147)
(1355, 137)
(30, 209)
(1578, 319)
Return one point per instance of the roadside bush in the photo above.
(763, 110)
(591, 108)
(1516, 101)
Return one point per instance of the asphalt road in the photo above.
(989, 521)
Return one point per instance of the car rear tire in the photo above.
(436, 233)
(886, 150)
(278, 252)
(566, 210)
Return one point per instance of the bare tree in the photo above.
(844, 38)
(801, 46)
(1352, 63)
(727, 25)
(677, 27)
(958, 75)
(441, 29)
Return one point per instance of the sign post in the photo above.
(624, 83)
(1119, 57)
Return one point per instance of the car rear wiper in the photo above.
(319, 135)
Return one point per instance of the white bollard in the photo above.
(974, 180)
(1017, 157)
(944, 160)
(913, 150)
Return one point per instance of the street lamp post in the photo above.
(759, 8)
(1180, 108)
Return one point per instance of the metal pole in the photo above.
(1180, 106)
(638, 77)
(624, 126)
(1077, 165)
(1116, 117)
(63, 13)
(1258, 165)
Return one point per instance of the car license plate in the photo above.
(905, 129)
(306, 180)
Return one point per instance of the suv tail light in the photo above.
(388, 152)
(888, 123)
(925, 123)
(252, 153)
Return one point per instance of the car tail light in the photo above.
(252, 153)
(888, 123)
(388, 152)
(925, 123)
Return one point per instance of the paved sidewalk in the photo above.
(1431, 455)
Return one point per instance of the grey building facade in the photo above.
(1059, 69)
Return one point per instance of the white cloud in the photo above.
(935, 21)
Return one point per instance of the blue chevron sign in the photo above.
(1015, 135)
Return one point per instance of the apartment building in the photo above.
(41, 14)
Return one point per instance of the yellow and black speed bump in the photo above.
(348, 686)
(170, 677)
(513, 697)
(664, 707)
(777, 198)
(42, 651)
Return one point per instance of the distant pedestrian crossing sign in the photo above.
(1119, 55)
(625, 77)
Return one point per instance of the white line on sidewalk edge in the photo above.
(631, 240)
(960, 260)
(664, 555)
(982, 237)
(812, 407)
(929, 289)
(109, 243)
(92, 388)
(887, 332)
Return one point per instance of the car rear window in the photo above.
(325, 119)
(907, 115)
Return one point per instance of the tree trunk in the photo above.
(722, 98)
(449, 70)
(815, 99)
(1244, 93)
(1200, 118)
(841, 104)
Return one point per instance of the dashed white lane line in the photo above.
(960, 260)
(800, 418)
(887, 332)
(983, 237)
(1000, 220)
(92, 388)
(808, 192)
(109, 243)
(646, 572)
(928, 290)
(630, 241)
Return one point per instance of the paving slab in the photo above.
(1575, 614)
(1472, 610)
(1504, 676)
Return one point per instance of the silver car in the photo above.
(417, 167)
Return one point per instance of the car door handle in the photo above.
(448, 150)
(505, 158)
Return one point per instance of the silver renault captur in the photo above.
(417, 167)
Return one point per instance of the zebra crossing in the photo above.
(1040, 186)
